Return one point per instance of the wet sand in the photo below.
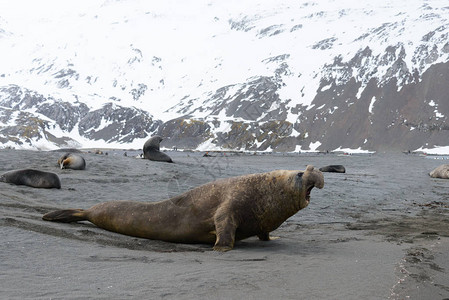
(379, 231)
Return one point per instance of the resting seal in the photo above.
(333, 169)
(440, 172)
(72, 161)
(219, 212)
(151, 150)
(33, 178)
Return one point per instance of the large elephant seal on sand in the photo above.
(33, 178)
(333, 169)
(218, 212)
(72, 161)
(440, 172)
(151, 150)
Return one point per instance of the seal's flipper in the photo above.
(65, 215)
(264, 236)
(225, 229)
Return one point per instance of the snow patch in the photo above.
(157, 55)
(326, 87)
(437, 150)
(370, 108)
(314, 146)
(352, 151)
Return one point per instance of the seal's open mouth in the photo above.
(309, 189)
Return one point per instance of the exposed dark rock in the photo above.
(352, 108)
(123, 124)
(65, 114)
(400, 119)
(184, 133)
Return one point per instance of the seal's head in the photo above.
(65, 163)
(72, 161)
(306, 181)
(151, 150)
(62, 159)
(153, 143)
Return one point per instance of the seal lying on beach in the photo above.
(219, 212)
(151, 150)
(72, 161)
(440, 172)
(33, 178)
(333, 169)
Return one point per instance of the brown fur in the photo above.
(72, 161)
(218, 212)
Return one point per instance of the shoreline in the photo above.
(437, 155)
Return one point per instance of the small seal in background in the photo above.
(33, 178)
(333, 169)
(440, 172)
(72, 161)
(151, 150)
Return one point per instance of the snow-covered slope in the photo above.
(251, 75)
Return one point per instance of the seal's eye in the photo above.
(299, 175)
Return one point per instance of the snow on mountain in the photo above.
(253, 75)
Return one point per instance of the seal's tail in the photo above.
(65, 215)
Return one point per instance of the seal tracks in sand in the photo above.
(30, 225)
(127, 258)
(17, 207)
(419, 270)
(401, 228)
(24, 208)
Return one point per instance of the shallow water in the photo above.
(376, 193)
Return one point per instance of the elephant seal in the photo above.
(219, 212)
(33, 178)
(333, 169)
(440, 172)
(72, 161)
(151, 150)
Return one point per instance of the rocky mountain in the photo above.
(261, 76)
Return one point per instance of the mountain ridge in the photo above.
(311, 76)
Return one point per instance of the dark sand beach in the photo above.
(378, 231)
